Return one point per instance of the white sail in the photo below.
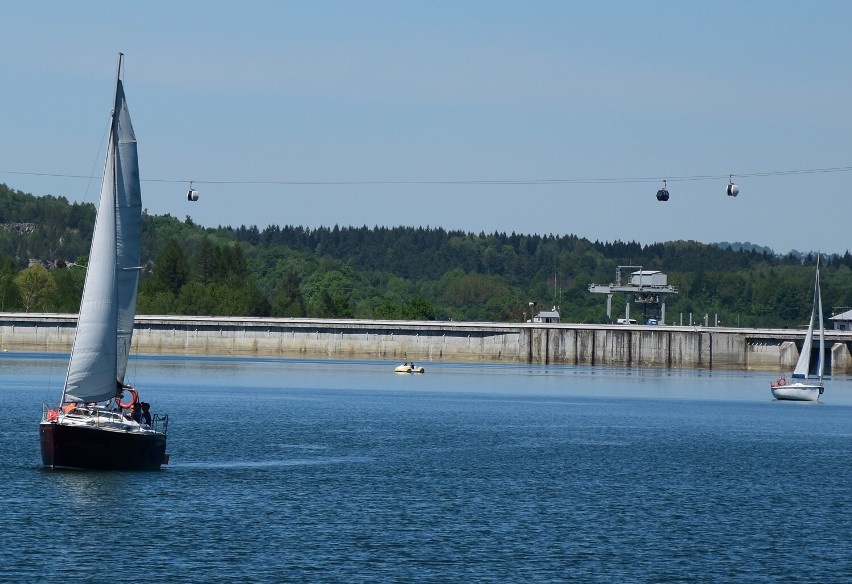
(105, 326)
(821, 327)
(128, 232)
(802, 369)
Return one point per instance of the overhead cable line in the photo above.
(473, 182)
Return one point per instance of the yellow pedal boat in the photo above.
(410, 368)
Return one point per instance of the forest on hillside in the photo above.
(420, 273)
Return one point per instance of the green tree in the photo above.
(420, 308)
(69, 288)
(170, 268)
(155, 300)
(195, 299)
(229, 301)
(288, 300)
(205, 259)
(258, 302)
(36, 285)
(10, 295)
(334, 306)
(328, 293)
(387, 310)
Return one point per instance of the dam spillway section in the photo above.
(616, 345)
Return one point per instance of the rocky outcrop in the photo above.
(21, 228)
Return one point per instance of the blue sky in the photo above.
(408, 105)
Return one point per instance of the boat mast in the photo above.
(116, 111)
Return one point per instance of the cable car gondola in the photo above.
(732, 190)
(663, 194)
(192, 194)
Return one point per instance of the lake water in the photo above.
(341, 471)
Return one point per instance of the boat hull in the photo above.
(796, 392)
(409, 369)
(73, 446)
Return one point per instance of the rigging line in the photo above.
(509, 182)
(97, 159)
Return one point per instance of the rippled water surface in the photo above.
(287, 470)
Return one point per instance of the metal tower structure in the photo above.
(647, 287)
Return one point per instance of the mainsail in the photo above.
(802, 369)
(820, 361)
(128, 232)
(108, 308)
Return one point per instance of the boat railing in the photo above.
(99, 416)
(160, 423)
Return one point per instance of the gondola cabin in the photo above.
(192, 195)
(732, 190)
(663, 194)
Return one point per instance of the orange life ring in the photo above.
(781, 381)
(134, 395)
(52, 415)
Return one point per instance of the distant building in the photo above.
(649, 278)
(843, 321)
(547, 316)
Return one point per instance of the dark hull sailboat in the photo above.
(71, 446)
(101, 434)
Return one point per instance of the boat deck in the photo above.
(94, 416)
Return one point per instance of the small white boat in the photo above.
(804, 386)
(797, 391)
(409, 368)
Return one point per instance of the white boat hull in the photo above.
(797, 391)
(409, 369)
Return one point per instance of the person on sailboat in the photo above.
(146, 413)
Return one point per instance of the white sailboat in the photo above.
(92, 427)
(804, 386)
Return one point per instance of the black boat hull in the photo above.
(71, 446)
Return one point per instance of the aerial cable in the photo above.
(471, 182)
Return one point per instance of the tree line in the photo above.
(422, 273)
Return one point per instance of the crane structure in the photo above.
(645, 287)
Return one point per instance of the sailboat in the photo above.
(804, 386)
(97, 424)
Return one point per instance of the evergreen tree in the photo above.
(171, 268)
(10, 295)
(69, 288)
(288, 300)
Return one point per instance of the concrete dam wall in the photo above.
(538, 343)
